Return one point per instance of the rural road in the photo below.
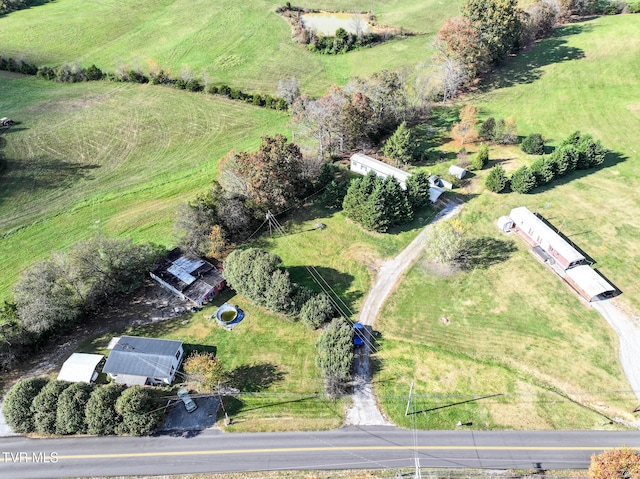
(347, 448)
(364, 410)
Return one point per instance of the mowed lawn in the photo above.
(271, 360)
(508, 330)
(245, 44)
(109, 158)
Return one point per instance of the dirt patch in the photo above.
(149, 304)
(443, 270)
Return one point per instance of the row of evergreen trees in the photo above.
(60, 407)
(380, 204)
(577, 152)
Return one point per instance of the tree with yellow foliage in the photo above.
(465, 131)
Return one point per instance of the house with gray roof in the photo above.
(143, 361)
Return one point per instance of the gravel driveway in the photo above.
(364, 409)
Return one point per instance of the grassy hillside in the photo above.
(108, 157)
(509, 326)
(246, 44)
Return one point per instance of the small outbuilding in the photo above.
(505, 224)
(81, 368)
(189, 277)
(588, 283)
(434, 194)
(363, 164)
(457, 171)
(436, 181)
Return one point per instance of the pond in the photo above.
(327, 23)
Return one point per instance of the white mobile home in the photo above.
(363, 164)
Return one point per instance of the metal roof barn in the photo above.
(539, 233)
(589, 283)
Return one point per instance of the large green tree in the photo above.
(70, 415)
(17, 404)
(496, 180)
(399, 147)
(335, 355)
(100, 413)
(141, 413)
(45, 406)
(499, 23)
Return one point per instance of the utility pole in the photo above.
(406, 412)
(269, 216)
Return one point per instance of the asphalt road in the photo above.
(346, 448)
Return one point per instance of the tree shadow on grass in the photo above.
(41, 174)
(527, 67)
(338, 281)
(612, 158)
(484, 252)
(255, 377)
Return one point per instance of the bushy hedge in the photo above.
(577, 152)
(60, 407)
(8, 6)
(17, 404)
(74, 73)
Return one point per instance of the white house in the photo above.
(363, 164)
(144, 361)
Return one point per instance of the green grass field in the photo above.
(110, 158)
(512, 328)
(245, 44)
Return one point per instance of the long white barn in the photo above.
(363, 164)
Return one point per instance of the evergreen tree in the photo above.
(399, 147)
(397, 205)
(418, 191)
(496, 179)
(523, 180)
(70, 415)
(482, 157)
(17, 404)
(335, 354)
(100, 413)
(374, 213)
(487, 129)
(45, 406)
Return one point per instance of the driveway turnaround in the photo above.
(347, 448)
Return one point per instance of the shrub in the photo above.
(496, 179)
(481, 159)
(533, 144)
(93, 73)
(70, 415)
(100, 414)
(615, 464)
(17, 404)
(140, 413)
(523, 180)
(204, 371)
(45, 406)
(317, 310)
(487, 129)
(543, 170)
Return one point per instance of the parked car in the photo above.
(358, 336)
(189, 404)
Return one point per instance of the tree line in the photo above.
(57, 293)
(577, 152)
(8, 6)
(74, 73)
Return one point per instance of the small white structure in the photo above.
(363, 164)
(457, 171)
(81, 368)
(588, 283)
(538, 233)
(435, 193)
(436, 181)
(505, 224)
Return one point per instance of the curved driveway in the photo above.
(347, 448)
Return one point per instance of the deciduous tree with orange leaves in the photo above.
(623, 463)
